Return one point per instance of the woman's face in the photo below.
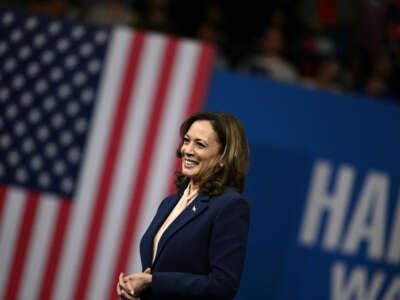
(200, 149)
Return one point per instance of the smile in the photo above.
(190, 163)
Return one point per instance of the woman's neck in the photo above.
(193, 186)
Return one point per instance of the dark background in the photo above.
(347, 46)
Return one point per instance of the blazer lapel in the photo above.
(154, 226)
(195, 209)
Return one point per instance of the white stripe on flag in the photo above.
(39, 246)
(9, 229)
(161, 169)
(94, 160)
(131, 148)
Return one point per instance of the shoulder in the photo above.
(228, 198)
(230, 209)
(230, 193)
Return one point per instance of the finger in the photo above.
(127, 277)
(126, 295)
(147, 271)
(128, 287)
(118, 290)
(121, 280)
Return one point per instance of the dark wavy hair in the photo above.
(234, 152)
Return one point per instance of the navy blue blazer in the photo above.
(201, 254)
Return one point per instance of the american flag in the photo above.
(89, 120)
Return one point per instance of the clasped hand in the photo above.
(130, 287)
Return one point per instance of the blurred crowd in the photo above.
(345, 46)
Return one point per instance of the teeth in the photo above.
(190, 163)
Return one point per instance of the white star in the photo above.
(66, 137)
(33, 69)
(77, 32)
(47, 57)
(5, 141)
(43, 133)
(57, 120)
(94, 66)
(44, 179)
(36, 162)
(26, 99)
(55, 28)
(56, 74)
(10, 64)
(21, 174)
(3, 47)
(13, 158)
(87, 95)
(51, 150)
(28, 145)
(39, 40)
(49, 103)
(34, 116)
(72, 108)
(71, 61)
(62, 44)
(11, 111)
(100, 37)
(80, 125)
(64, 91)
(67, 185)
(8, 18)
(73, 155)
(18, 81)
(16, 35)
(41, 86)
(79, 78)
(4, 94)
(20, 128)
(24, 52)
(31, 23)
(86, 49)
(59, 167)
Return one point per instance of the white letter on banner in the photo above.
(393, 255)
(393, 292)
(356, 285)
(368, 223)
(320, 201)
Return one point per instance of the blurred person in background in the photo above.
(211, 30)
(110, 12)
(154, 15)
(326, 77)
(270, 61)
(379, 81)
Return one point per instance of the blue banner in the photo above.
(324, 185)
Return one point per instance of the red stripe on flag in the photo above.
(22, 245)
(53, 257)
(197, 95)
(107, 173)
(145, 162)
(3, 193)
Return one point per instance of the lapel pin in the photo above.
(194, 208)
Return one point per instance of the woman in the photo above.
(196, 244)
